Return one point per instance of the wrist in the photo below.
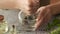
(55, 8)
(52, 11)
(49, 9)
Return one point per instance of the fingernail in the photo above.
(36, 19)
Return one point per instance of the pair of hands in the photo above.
(44, 16)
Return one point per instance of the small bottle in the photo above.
(13, 29)
(26, 21)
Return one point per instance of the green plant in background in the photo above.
(56, 31)
(55, 23)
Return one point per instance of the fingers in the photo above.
(41, 12)
(43, 19)
(40, 9)
(41, 15)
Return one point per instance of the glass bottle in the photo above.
(26, 22)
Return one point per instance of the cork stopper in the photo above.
(1, 17)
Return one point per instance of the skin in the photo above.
(27, 6)
(8, 4)
(46, 13)
(32, 6)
